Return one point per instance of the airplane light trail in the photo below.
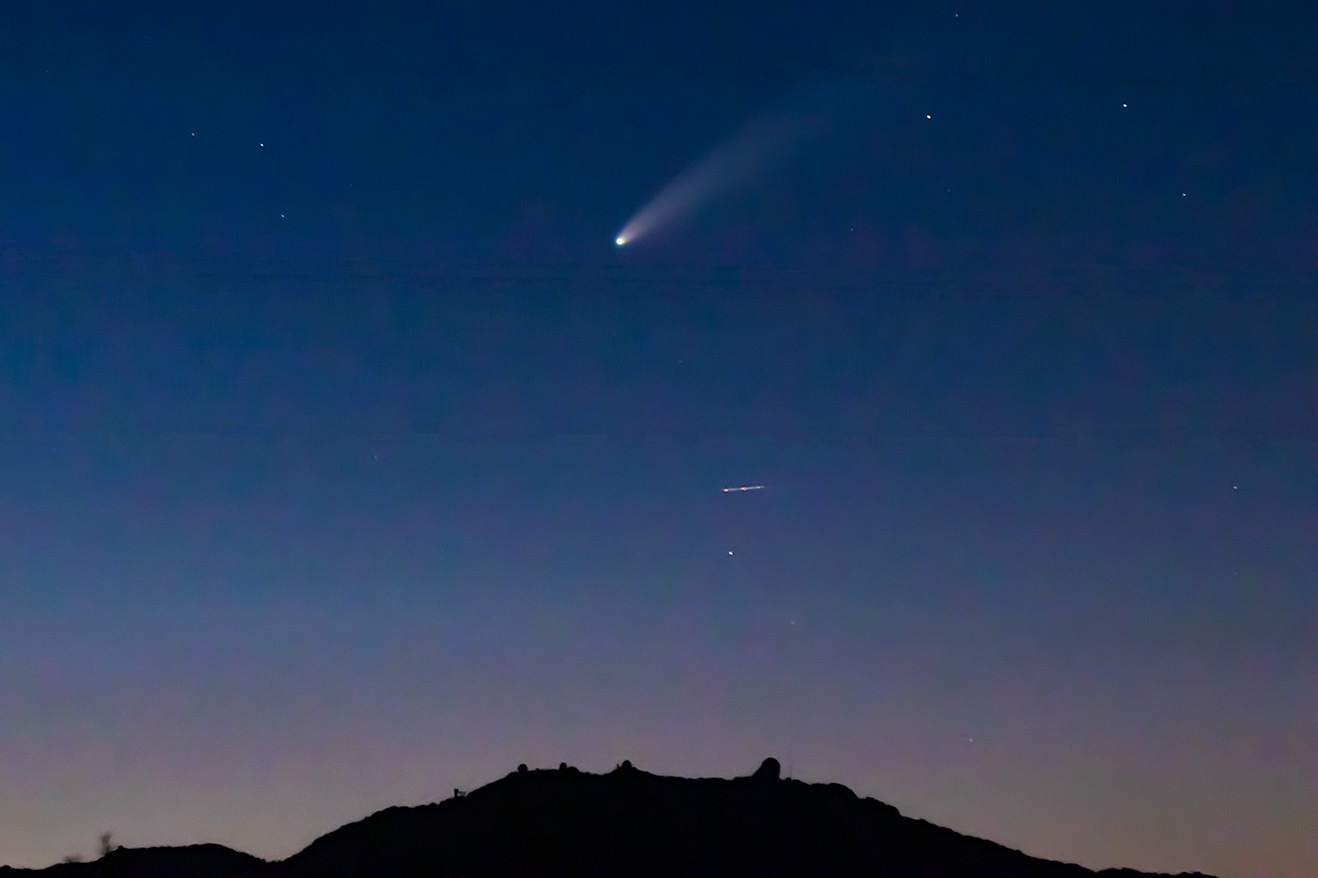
(745, 488)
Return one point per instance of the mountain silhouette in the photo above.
(628, 822)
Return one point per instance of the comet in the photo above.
(745, 488)
(737, 162)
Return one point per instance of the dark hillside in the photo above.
(565, 822)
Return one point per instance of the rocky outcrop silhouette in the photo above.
(565, 822)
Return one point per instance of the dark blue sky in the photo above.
(344, 459)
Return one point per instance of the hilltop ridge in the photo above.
(567, 822)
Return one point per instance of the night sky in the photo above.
(344, 459)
